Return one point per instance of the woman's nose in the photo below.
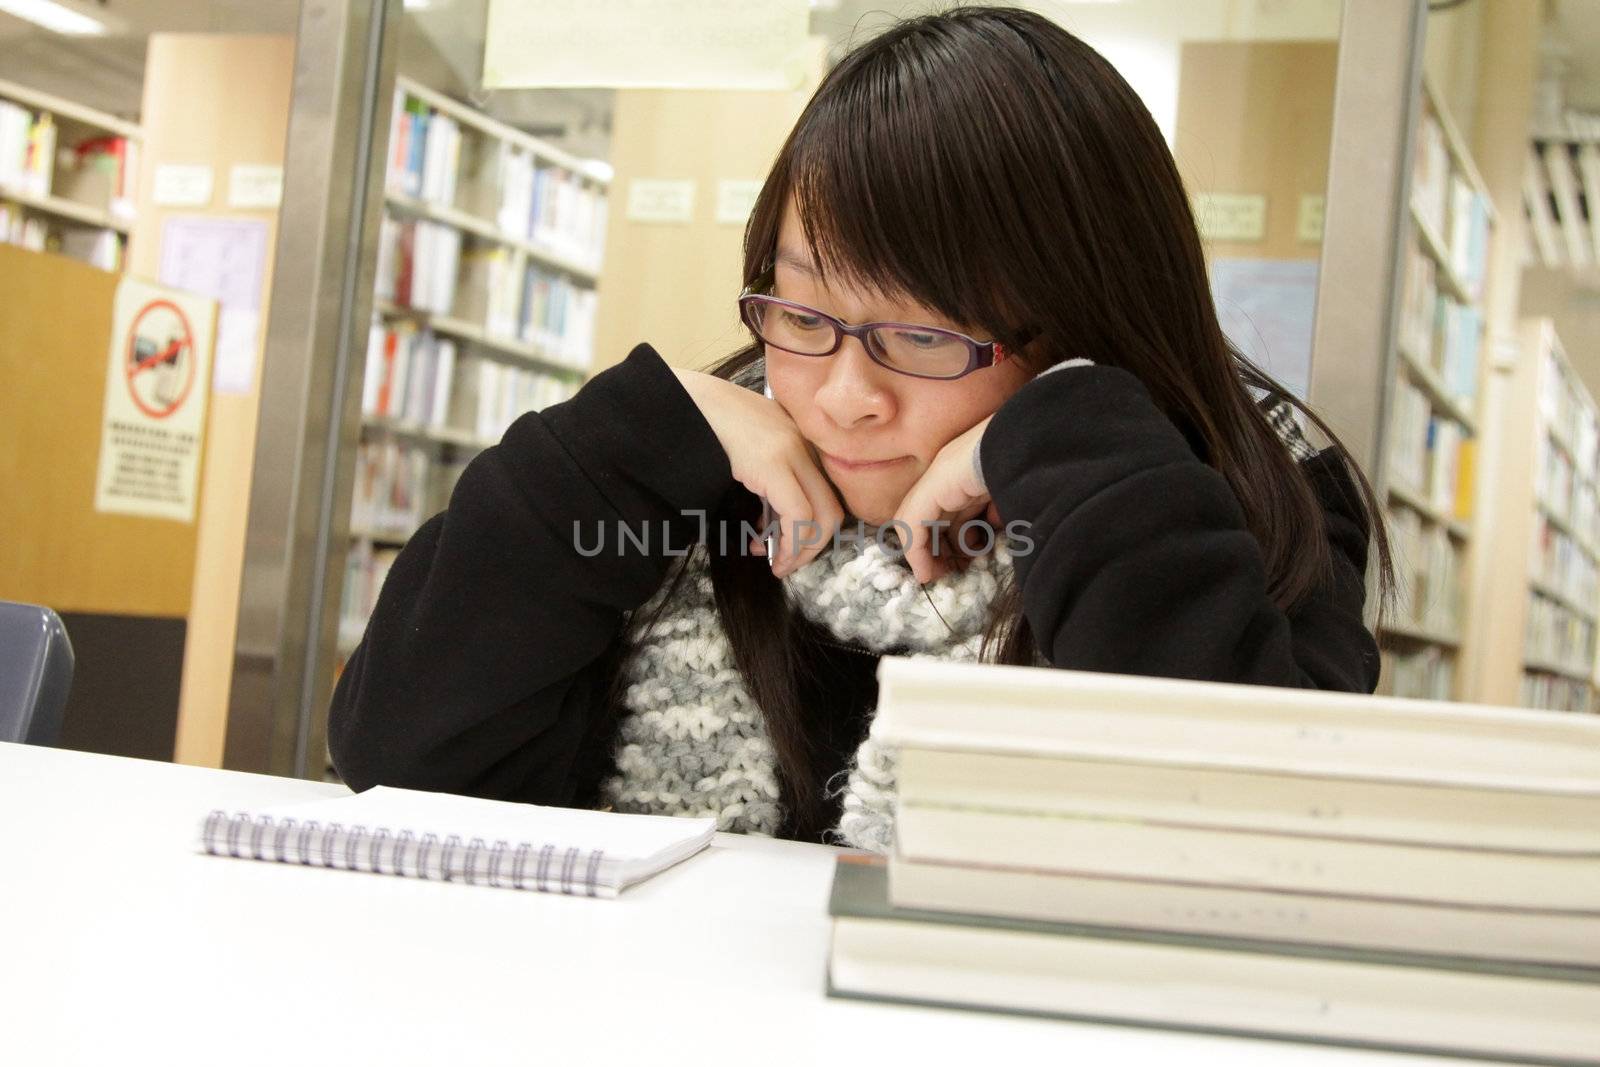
(854, 391)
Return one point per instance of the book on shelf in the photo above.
(18, 227)
(1556, 692)
(1411, 427)
(1563, 565)
(1455, 1003)
(491, 395)
(365, 568)
(1423, 673)
(504, 183)
(391, 487)
(1430, 174)
(27, 150)
(1558, 636)
(1427, 566)
(418, 264)
(1469, 234)
(1460, 332)
(409, 375)
(1290, 863)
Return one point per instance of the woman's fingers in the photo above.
(805, 510)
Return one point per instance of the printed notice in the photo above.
(1308, 226)
(1231, 216)
(154, 410)
(660, 200)
(649, 44)
(255, 185)
(225, 259)
(736, 198)
(182, 185)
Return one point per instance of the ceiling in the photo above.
(444, 45)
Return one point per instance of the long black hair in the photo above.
(990, 165)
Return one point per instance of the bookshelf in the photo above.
(1551, 477)
(1428, 471)
(67, 177)
(489, 257)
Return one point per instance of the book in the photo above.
(1529, 1012)
(1336, 807)
(442, 837)
(1198, 854)
(1044, 711)
(1527, 934)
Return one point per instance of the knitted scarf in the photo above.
(693, 742)
(691, 739)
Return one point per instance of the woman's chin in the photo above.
(873, 510)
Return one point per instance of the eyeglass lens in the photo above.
(915, 350)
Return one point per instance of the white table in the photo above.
(120, 943)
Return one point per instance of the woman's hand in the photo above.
(770, 458)
(948, 494)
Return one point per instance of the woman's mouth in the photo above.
(840, 463)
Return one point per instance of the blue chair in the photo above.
(35, 673)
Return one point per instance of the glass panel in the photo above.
(141, 158)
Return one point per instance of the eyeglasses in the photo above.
(920, 351)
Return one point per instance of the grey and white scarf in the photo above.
(693, 742)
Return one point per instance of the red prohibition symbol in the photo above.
(160, 359)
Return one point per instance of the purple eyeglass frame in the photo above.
(980, 354)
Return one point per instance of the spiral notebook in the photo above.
(411, 834)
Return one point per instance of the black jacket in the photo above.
(494, 639)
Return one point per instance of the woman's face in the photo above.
(875, 431)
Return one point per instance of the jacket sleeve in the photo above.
(1140, 560)
(485, 655)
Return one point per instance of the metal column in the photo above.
(1377, 98)
(310, 389)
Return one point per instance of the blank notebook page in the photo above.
(633, 846)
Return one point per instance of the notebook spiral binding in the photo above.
(404, 854)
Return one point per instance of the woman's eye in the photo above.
(802, 322)
(922, 340)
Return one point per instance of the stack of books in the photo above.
(1249, 860)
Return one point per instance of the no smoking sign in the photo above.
(160, 362)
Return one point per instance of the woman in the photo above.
(974, 236)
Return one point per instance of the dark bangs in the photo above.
(899, 190)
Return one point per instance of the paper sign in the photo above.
(1231, 216)
(736, 198)
(647, 44)
(660, 200)
(155, 403)
(225, 259)
(1309, 226)
(255, 185)
(182, 185)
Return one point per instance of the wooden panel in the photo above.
(55, 549)
(216, 100)
(675, 284)
(1257, 118)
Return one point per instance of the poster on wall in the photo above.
(157, 372)
(1267, 308)
(649, 44)
(225, 259)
